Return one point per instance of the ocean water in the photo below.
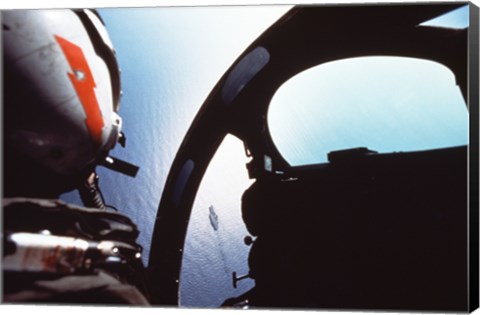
(170, 59)
(214, 247)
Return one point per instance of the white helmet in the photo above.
(61, 97)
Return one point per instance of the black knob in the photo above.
(248, 240)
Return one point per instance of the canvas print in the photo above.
(309, 157)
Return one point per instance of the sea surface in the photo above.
(171, 58)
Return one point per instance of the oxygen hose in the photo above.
(90, 193)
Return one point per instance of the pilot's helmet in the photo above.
(61, 98)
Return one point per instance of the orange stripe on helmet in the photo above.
(84, 84)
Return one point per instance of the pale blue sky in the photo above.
(387, 104)
(454, 19)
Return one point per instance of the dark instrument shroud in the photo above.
(379, 231)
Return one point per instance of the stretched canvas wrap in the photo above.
(279, 157)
